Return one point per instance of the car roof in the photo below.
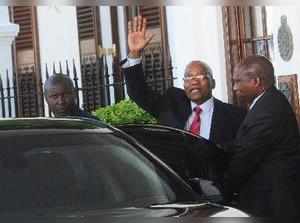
(50, 123)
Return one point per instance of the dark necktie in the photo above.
(196, 123)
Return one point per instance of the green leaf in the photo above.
(124, 112)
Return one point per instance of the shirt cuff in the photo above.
(130, 62)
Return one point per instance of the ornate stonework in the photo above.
(285, 40)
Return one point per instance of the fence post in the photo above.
(67, 68)
(29, 86)
(60, 67)
(94, 67)
(2, 98)
(15, 95)
(170, 72)
(164, 72)
(84, 81)
(106, 76)
(53, 68)
(100, 72)
(8, 94)
(153, 69)
(47, 72)
(75, 81)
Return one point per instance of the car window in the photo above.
(168, 145)
(188, 155)
(57, 169)
(207, 160)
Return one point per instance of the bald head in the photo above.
(198, 81)
(204, 67)
(258, 66)
(60, 95)
(253, 76)
(58, 79)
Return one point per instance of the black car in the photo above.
(188, 155)
(81, 169)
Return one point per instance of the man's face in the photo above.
(244, 85)
(196, 83)
(61, 100)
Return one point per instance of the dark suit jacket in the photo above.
(173, 107)
(264, 168)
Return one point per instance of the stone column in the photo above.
(8, 32)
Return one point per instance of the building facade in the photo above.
(87, 43)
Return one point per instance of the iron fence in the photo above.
(21, 94)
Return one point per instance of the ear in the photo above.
(213, 84)
(258, 82)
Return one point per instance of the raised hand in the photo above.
(138, 38)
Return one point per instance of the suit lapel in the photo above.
(255, 110)
(185, 110)
(214, 121)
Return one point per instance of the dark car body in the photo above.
(187, 154)
(81, 170)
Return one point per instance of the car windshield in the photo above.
(80, 169)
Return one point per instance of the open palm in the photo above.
(137, 37)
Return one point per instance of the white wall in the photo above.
(106, 30)
(8, 31)
(4, 18)
(122, 22)
(293, 19)
(122, 31)
(5, 51)
(196, 33)
(58, 38)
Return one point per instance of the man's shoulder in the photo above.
(175, 90)
(228, 108)
(175, 93)
(85, 114)
(272, 100)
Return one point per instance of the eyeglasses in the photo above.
(199, 77)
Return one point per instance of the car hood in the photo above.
(130, 214)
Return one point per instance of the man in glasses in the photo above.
(193, 108)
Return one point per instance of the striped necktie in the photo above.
(196, 123)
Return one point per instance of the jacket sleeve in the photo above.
(139, 92)
(248, 151)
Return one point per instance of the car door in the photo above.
(188, 155)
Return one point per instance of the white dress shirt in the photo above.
(130, 62)
(205, 116)
(255, 100)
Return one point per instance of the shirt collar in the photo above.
(206, 106)
(255, 100)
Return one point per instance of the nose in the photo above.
(61, 99)
(195, 81)
(235, 86)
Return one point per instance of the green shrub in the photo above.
(124, 112)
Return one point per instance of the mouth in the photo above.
(195, 91)
(238, 93)
(61, 109)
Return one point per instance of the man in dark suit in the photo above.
(264, 168)
(176, 107)
(60, 95)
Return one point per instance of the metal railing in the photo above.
(21, 94)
